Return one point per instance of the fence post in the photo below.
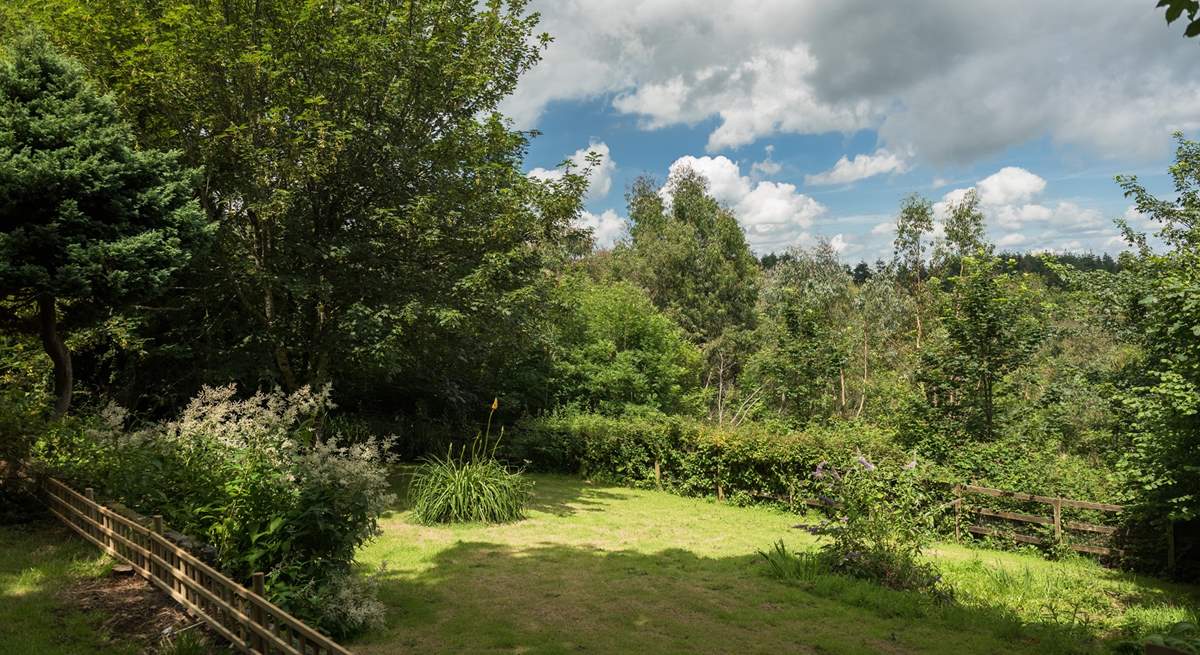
(658, 473)
(91, 512)
(256, 613)
(1057, 505)
(958, 501)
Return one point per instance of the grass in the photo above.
(606, 569)
(37, 561)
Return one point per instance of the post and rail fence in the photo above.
(243, 616)
(1055, 520)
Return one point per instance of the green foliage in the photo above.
(1183, 637)
(619, 352)
(87, 218)
(468, 487)
(1177, 8)
(804, 340)
(802, 567)
(749, 463)
(1164, 402)
(878, 521)
(691, 257)
(257, 480)
(371, 208)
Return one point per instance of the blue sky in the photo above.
(1036, 106)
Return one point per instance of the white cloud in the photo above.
(1009, 185)
(600, 177)
(1105, 76)
(607, 227)
(884, 228)
(775, 215)
(767, 166)
(859, 168)
(1011, 240)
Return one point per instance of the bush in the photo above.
(749, 462)
(878, 521)
(469, 487)
(254, 478)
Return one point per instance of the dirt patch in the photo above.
(130, 609)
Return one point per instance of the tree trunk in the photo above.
(64, 378)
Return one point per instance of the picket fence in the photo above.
(250, 622)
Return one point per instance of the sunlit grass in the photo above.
(609, 569)
(37, 562)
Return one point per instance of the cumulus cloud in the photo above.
(600, 177)
(607, 227)
(1017, 217)
(859, 168)
(1009, 185)
(775, 215)
(1105, 76)
(767, 166)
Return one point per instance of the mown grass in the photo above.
(606, 569)
(37, 562)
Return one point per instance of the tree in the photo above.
(87, 219)
(912, 225)
(371, 208)
(800, 369)
(1165, 401)
(619, 351)
(964, 230)
(691, 257)
(992, 326)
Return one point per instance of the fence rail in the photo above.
(243, 616)
(1055, 519)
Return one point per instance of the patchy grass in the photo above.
(39, 562)
(608, 569)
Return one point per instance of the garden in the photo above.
(300, 353)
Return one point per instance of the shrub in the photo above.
(794, 566)
(252, 477)
(469, 487)
(878, 521)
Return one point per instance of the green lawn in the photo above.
(37, 561)
(606, 569)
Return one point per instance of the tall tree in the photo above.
(964, 230)
(691, 256)
(87, 219)
(913, 224)
(371, 206)
(1165, 401)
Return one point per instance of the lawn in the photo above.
(38, 561)
(607, 569)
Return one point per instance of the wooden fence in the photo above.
(248, 620)
(1055, 519)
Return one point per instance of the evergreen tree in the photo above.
(87, 219)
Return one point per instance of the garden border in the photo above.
(243, 616)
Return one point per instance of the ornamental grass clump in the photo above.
(472, 486)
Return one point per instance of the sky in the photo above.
(811, 119)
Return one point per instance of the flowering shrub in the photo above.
(255, 478)
(878, 520)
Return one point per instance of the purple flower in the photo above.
(819, 472)
(865, 463)
(827, 501)
(911, 465)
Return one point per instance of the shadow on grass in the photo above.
(480, 597)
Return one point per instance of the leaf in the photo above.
(1193, 29)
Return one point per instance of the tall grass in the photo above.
(470, 487)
